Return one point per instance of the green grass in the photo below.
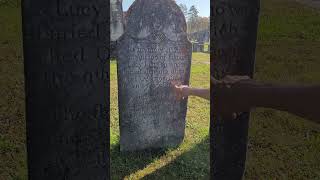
(281, 146)
(13, 164)
(206, 47)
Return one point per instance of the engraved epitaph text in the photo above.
(67, 95)
(153, 53)
(233, 35)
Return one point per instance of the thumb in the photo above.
(214, 81)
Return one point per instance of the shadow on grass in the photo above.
(125, 163)
(194, 164)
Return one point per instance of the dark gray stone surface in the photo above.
(67, 88)
(153, 52)
(233, 35)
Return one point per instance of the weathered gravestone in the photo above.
(200, 36)
(195, 47)
(206, 36)
(153, 53)
(201, 47)
(67, 88)
(233, 31)
(116, 22)
(116, 25)
(208, 49)
(198, 46)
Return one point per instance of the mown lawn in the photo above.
(281, 146)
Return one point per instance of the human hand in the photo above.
(230, 95)
(181, 91)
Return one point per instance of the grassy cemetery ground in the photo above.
(281, 146)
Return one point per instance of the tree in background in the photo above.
(184, 9)
(195, 22)
(203, 23)
(193, 17)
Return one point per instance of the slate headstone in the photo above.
(234, 27)
(153, 53)
(67, 88)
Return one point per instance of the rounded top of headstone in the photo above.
(156, 20)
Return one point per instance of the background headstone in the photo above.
(195, 47)
(116, 25)
(198, 47)
(200, 36)
(153, 53)
(201, 47)
(233, 31)
(67, 88)
(116, 22)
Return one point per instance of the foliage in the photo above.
(195, 22)
(184, 9)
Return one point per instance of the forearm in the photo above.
(299, 100)
(203, 93)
